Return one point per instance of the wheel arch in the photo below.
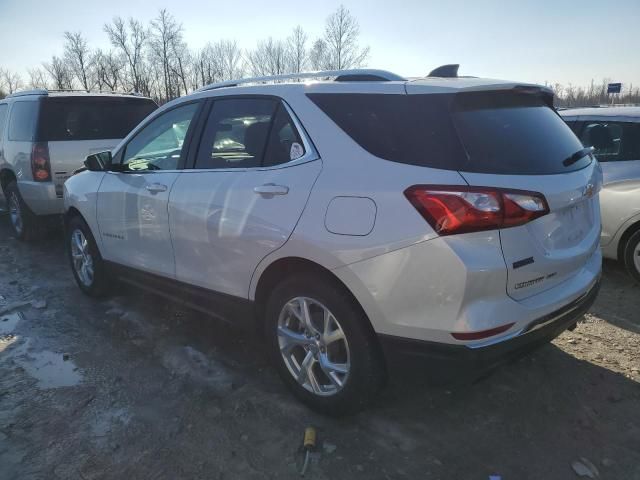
(6, 177)
(628, 232)
(284, 267)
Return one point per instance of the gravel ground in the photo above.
(135, 387)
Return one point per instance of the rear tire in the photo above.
(632, 255)
(344, 364)
(25, 224)
(86, 262)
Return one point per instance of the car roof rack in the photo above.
(354, 75)
(45, 91)
(23, 93)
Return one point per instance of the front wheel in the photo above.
(322, 345)
(632, 255)
(86, 263)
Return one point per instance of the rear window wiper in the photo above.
(567, 162)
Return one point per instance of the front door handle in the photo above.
(271, 189)
(156, 188)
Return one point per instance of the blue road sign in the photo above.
(614, 88)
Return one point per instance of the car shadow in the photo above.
(619, 299)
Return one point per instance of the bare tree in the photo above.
(130, 42)
(60, 75)
(38, 78)
(76, 53)
(341, 37)
(230, 57)
(270, 57)
(166, 33)
(108, 70)
(207, 66)
(297, 50)
(10, 81)
(183, 63)
(319, 55)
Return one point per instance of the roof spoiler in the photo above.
(445, 71)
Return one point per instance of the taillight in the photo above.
(40, 165)
(461, 209)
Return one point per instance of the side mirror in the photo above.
(98, 162)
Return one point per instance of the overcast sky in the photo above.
(545, 40)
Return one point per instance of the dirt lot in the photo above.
(134, 387)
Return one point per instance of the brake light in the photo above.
(40, 165)
(461, 209)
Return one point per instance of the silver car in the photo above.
(46, 135)
(614, 133)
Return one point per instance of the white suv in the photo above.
(45, 135)
(351, 219)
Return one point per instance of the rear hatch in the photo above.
(78, 125)
(513, 139)
(498, 137)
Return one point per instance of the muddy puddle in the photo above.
(50, 369)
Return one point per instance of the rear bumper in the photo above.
(41, 197)
(449, 357)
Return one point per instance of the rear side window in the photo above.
(3, 119)
(22, 121)
(413, 129)
(481, 132)
(612, 141)
(91, 118)
(247, 133)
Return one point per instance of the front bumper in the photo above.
(448, 357)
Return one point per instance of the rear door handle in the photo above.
(271, 189)
(156, 188)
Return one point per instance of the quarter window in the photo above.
(159, 145)
(23, 121)
(246, 133)
(613, 141)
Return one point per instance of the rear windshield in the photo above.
(482, 132)
(91, 118)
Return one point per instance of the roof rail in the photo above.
(44, 91)
(22, 93)
(354, 75)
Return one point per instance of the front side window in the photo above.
(246, 133)
(612, 141)
(23, 121)
(159, 145)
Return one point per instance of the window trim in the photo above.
(184, 154)
(310, 151)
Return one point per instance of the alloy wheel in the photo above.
(313, 346)
(81, 257)
(15, 213)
